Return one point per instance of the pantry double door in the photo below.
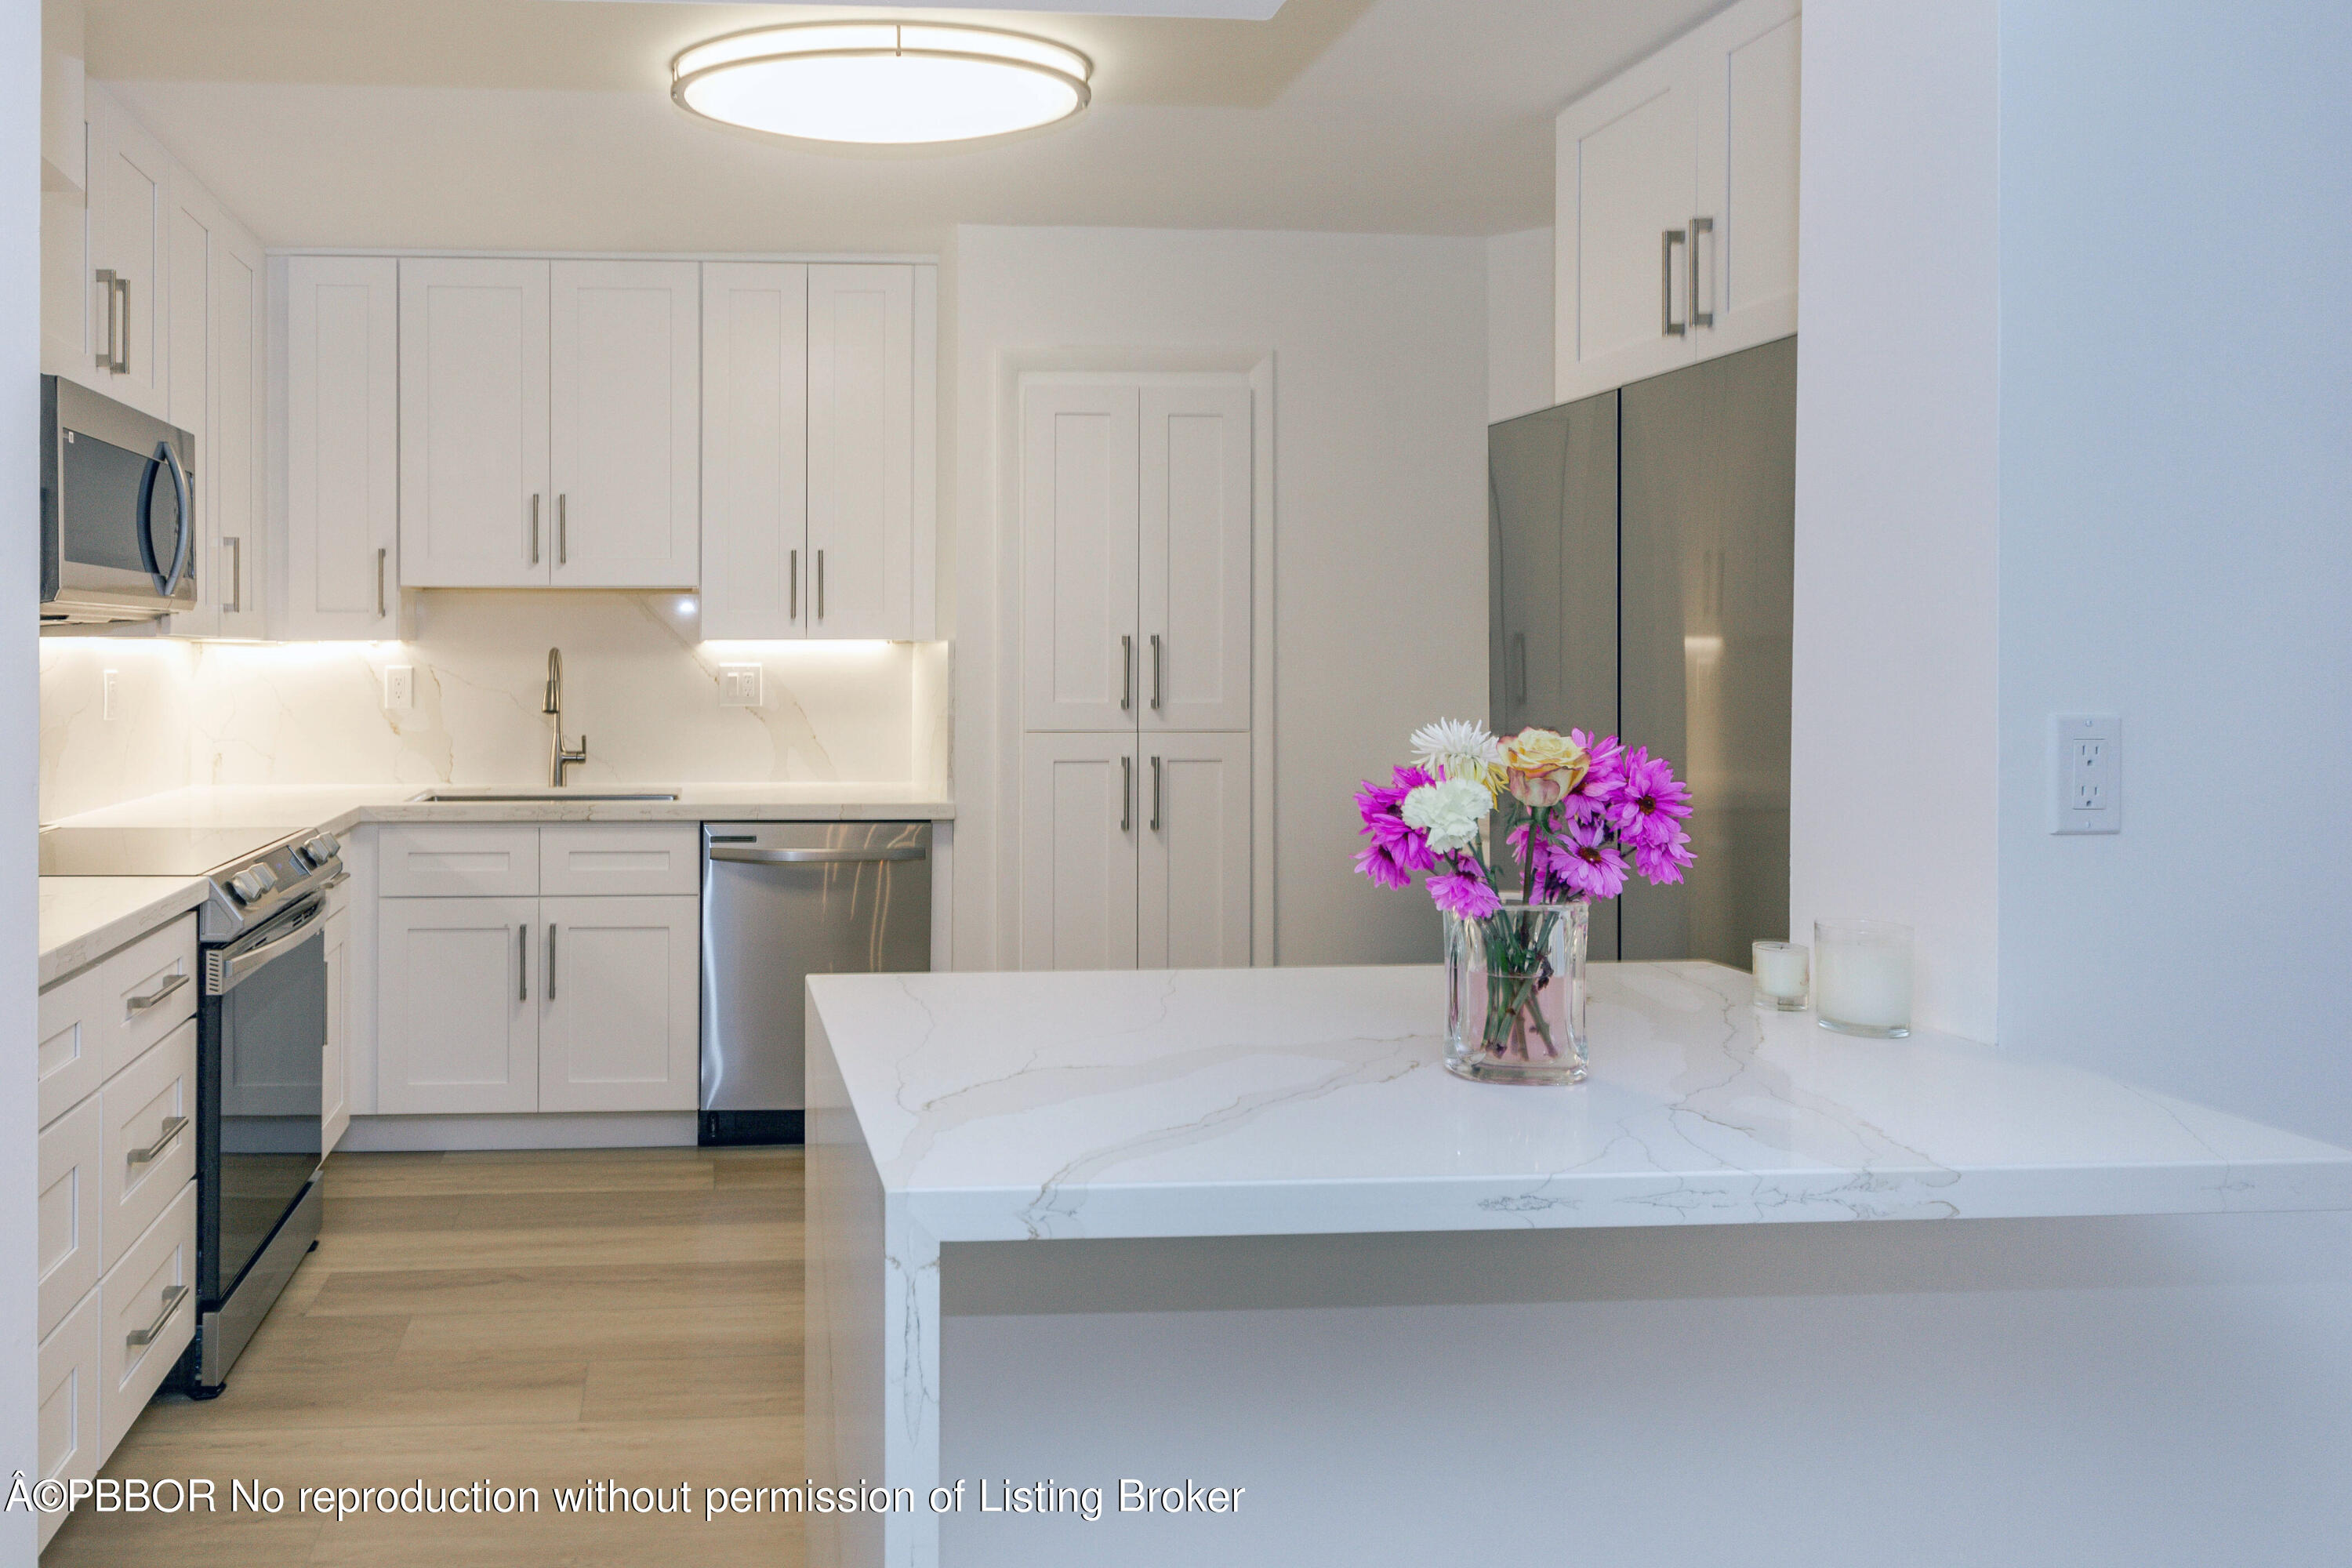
(1137, 623)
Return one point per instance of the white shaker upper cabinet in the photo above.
(861, 451)
(624, 445)
(1192, 670)
(1676, 204)
(1079, 827)
(755, 560)
(475, 507)
(1080, 530)
(235, 458)
(130, 249)
(340, 547)
(1192, 800)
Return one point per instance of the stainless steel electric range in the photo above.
(261, 1032)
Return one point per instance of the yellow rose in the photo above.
(1542, 765)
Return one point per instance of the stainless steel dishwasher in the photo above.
(781, 901)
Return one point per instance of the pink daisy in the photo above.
(1397, 848)
(1648, 801)
(1464, 894)
(1592, 866)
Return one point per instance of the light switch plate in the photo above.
(400, 688)
(739, 686)
(2086, 774)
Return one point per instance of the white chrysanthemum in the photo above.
(1449, 810)
(1461, 749)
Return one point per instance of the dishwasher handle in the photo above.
(800, 857)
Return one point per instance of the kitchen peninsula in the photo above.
(1419, 1319)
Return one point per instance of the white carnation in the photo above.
(1449, 810)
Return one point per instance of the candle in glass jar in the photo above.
(1782, 971)
(1863, 983)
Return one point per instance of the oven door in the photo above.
(119, 522)
(271, 985)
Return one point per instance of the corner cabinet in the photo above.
(1678, 203)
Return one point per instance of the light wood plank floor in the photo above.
(525, 1319)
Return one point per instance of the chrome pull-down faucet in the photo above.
(559, 758)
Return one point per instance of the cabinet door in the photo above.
(755, 560)
(1195, 875)
(341, 544)
(1079, 498)
(231, 582)
(130, 192)
(474, 504)
(189, 221)
(624, 397)
(456, 1009)
(1193, 664)
(861, 451)
(334, 1069)
(620, 1029)
(1079, 832)
(67, 289)
(1627, 171)
(1746, 63)
(66, 1399)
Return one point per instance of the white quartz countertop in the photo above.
(83, 919)
(337, 808)
(1304, 1100)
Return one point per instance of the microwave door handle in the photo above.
(180, 560)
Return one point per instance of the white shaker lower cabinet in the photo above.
(66, 1403)
(619, 1026)
(456, 1006)
(1193, 877)
(1078, 843)
(147, 1307)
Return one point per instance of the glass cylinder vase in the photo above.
(1514, 993)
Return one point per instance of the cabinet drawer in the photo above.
(72, 1150)
(149, 1109)
(138, 1339)
(486, 860)
(66, 1401)
(645, 858)
(93, 1024)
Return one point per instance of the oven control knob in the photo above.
(320, 849)
(252, 882)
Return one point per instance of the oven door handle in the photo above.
(232, 968)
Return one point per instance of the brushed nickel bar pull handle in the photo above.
(820, 584)
(1667, 240)
(170, 1130)
(1155, 673)
(563, 530)
(1127, 794)
(534, 529)
(106, 287)
(551, 957)
(1155, 794)
(804, 857)
(796, 587)
(1698, 318)
(522, 962)
(1126, 673)
(155, 997)
(122, 365)
(237, 576)
(379, 583)
(154, 1331)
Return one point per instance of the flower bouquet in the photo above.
(1588, 813)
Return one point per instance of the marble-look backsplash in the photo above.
(634, 681)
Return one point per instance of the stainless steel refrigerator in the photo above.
(1641, 565)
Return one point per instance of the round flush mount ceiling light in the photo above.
(881, 82)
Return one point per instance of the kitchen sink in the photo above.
(481, 795)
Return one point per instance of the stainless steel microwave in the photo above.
(118, 510)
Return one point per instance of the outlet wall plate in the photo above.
(400, 687)
(2086, 774)
(739, 686)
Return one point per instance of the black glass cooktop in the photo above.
(149, 851)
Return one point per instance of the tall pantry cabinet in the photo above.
(1136, 657)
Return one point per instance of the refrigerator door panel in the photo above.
(861, 904)
(1708, 564)
(1552, 579)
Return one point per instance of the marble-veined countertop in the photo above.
(83, 919)
(1000, 1107)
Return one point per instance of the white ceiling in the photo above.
(526, 124)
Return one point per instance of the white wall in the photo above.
(1519, 287)
(20, 485)
(1379, 500)
(1894, 742)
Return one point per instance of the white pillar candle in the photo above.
(1782, 974)
(1863, 983)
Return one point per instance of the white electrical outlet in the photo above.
(106, 683)
(2086, 774)
(399, 687)
(739, 686)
